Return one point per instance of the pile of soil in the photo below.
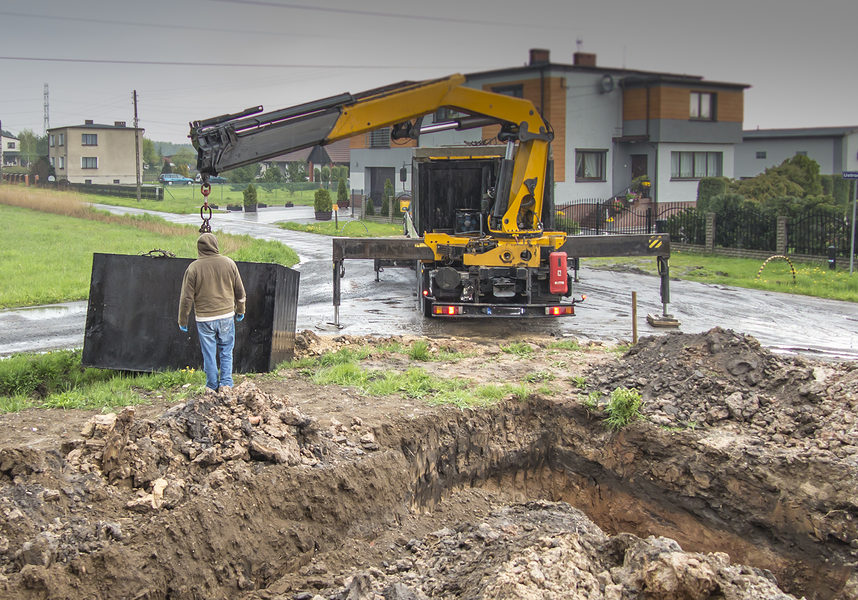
(283, 489)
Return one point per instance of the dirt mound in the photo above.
(284, 489)
(544, 550)
(721, 378)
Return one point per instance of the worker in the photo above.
(213, 286)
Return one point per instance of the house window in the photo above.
(116, 181)
(11, 145)
(590, 165)
(88, 181)
(761, 154)
(702, 106)
(694, 165)
(52, 161)
(51, 140)
(89, 139)
(61, 162)
(61, 139)
(516, 91)
(89, 162)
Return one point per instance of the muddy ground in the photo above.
(740, 481)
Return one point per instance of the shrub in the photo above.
(250, 197)
(623, 407)
(369, 209)
(322, 201)
(342, 193)
(708, 188)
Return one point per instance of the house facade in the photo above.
(610, 126)
(834, 148)
(94, 153)
(10, 151)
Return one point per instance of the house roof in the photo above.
(95, 126)
(806, 132)
(627, 77)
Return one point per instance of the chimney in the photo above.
(584, 59)
(119, 123)
(539, 56)
(88, 122)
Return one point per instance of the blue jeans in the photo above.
(217, 339)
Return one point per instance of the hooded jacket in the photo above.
(211, 285)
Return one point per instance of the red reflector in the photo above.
(446, 310)
(425, 292)
(554, 311)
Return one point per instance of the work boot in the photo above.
(207, 391)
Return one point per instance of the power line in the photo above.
(182, 26)
(168, 63)
(378, 13)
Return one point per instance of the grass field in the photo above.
(187, 199)
(347, 228)
(46, 253)
(810, 280)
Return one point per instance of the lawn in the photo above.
(810, 279)
(47, 257)
(187, 199)
(347, 228)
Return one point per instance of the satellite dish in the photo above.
(606, 85)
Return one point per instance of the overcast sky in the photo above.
(193, 59)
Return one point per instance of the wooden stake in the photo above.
(634, 317)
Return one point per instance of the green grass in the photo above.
(187, 199)
(518, 349)
(58, 380)
(347, 228)
(624, 406)
(811, 279)
(569, 345)
(47, 258)
(343, 368)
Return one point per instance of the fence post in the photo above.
(649, 219)
(781, 243)
(710, 232)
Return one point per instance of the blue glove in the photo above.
(239, 317)
(183, 328)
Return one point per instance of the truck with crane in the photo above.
(480, 229)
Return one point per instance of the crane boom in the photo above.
(232, 141)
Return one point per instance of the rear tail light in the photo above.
(556, 311)
(446, 310)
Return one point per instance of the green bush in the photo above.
(342, 192)
(322, 201)
(369, 209)
(250, 197)
(707, 188)
(623, 407)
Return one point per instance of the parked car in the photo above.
(212, 179)
(171, 178)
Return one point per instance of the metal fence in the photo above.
(814, 232)
(746, 228)
(597, 217)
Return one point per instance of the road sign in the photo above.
(850, 174)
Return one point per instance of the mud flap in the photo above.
(131, 319)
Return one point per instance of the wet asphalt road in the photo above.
(783, 322)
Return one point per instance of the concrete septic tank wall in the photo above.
(131, 320)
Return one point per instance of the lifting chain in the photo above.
(205, 209)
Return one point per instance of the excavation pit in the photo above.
(739, 482)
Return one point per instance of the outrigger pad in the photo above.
(131, 320)
(662, 320)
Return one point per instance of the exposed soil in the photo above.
(740, 481)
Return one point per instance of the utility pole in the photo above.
(136, 145)
(47, 123)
